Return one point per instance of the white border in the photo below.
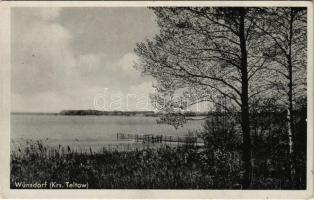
(5, 78)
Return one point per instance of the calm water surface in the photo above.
(89, 130)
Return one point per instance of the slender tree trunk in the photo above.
(290, 120)
(245, 122)
(290, 117)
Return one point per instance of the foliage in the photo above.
(246, 55)
(272, 159)
(203, 53)
(222, 144)
(271, 163)
(175, 119)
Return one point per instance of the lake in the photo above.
(89, 131)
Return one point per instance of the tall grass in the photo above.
(161, 168)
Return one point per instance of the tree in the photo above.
(205, 53)
(286, 31)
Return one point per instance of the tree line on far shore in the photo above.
(127, 113)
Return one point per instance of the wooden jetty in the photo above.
(151, 138)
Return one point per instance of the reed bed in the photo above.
(137, 167)
(150, 168)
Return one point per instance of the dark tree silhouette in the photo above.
(205, 53)
(285, 30)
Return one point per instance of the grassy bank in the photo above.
(161, 168)
(184, 167)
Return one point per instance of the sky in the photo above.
(78, 58)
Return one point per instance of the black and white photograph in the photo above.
(153, 97)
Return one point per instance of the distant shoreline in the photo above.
(33, 113)
(108, 113)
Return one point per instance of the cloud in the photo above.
(47, 74)
(42, 59)
(126, 65)
(49, 13)
(101, 70)
(89, 63)
(127, 61)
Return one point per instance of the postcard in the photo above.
(156, 99)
